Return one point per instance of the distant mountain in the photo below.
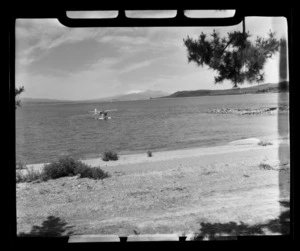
(125, 97)
(135, 96)
(41, 100)
(141, 95)
(264, 88)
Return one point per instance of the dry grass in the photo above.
(29, 176)
(167, 196)
(265, 166)
(264, 143)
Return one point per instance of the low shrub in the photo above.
(265, 166)
(149, 154)
(91, 172)
(67, 166)
(264, 143)
(110, 155)
(64, 167)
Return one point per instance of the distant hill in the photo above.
(264, 88)
(125, 97)
(135, 96)
(41, 100)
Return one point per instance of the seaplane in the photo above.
(102, 115)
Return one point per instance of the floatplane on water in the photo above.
(102, 115)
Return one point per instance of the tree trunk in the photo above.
(244, 26)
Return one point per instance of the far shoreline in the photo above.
(215, 95)
(281, 87)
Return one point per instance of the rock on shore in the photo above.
(263, 110)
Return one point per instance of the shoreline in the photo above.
(163, 155)
(136, 152)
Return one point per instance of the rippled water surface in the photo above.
(47, 131)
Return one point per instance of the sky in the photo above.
(57, 62)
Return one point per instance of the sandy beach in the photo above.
(172, 192)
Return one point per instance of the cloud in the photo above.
(102, 68)
(133, 92)
(100, 80)
(131, 40)
(99, 62)
(135, 66)
(37, 37)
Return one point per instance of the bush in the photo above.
(264, 143)
(64, 167)
(110, 155)
(149, 154)
(91, 172)
(67, 166)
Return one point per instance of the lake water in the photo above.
(46, 131)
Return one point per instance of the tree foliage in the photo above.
(234, 57)
(18, 91)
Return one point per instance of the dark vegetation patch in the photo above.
(52, 227)
(64, 167)
(216, 231)
(110, 155)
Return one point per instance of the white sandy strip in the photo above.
(234, 146)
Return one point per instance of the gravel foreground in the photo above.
(174, 192)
